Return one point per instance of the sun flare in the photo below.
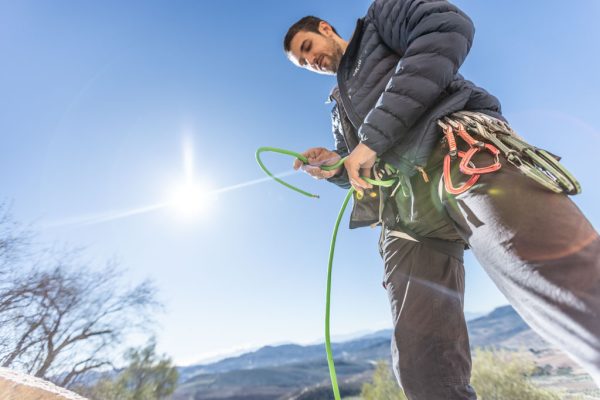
(191, 199)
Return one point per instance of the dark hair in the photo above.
(307, 24)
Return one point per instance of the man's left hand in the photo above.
(359, 162)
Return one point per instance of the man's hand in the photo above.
(359, 162)
(318, 156)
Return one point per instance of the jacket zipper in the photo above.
(344, 70)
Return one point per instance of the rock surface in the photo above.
(19, 386)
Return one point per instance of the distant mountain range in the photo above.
(298, 372)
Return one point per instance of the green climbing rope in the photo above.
(385, 183)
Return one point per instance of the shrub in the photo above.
(497, 375)
(384, 386)
(500, 375)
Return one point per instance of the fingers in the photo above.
(361, 159)
(354, 172)
(297, 164)
(325, 158)
(317, 173)
(359, 184)
(309, 154)
(366, 173)
(316, 157)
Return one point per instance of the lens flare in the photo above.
(191, 199)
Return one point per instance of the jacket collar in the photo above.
(349, 55)
(349, 58)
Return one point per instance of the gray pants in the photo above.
(535, 245)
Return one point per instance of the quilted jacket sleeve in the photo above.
(432, 38)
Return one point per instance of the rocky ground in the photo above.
(18, 386)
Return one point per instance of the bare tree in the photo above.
(14, 244)
(14, 238)
(60, 318)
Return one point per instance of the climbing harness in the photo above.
(535, 163)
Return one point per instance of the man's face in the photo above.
(317, 52)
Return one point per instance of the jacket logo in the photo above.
(358, 65)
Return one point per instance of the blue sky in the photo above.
(98, 99)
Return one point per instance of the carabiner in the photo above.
(464, 163)
(448, 179)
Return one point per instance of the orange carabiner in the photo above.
(464, 163)
(474, 147)
(448, 179)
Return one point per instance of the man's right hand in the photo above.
(318, 156)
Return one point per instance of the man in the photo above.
(396, 78)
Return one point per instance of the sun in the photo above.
(191, 199)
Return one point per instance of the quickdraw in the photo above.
(535, 163)
(466, 166)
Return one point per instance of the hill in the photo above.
(298, 372)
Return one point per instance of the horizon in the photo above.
(337, 338)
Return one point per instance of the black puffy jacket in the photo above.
(399, 75)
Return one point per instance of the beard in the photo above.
(335, 57)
